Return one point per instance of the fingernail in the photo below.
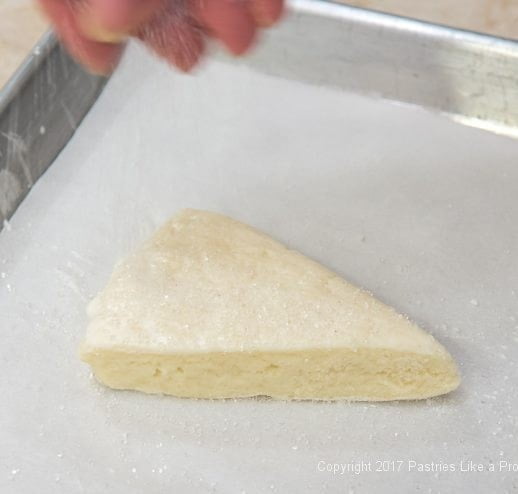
(98, 33)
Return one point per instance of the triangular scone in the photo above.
(211, 308)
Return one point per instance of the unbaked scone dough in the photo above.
(211, 308)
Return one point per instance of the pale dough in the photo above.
(211, 308)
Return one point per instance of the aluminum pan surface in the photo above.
(418, 209)
(40, 108)
(471, 76)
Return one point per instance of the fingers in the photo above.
(266, 12)
(173, 35)
(123, 15)
(97, 56)
(113, 20)
(93, 30)
(229, 21)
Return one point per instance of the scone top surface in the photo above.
(207, 283)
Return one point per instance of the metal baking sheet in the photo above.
(405, 202)
(473, 77)
(40, 108)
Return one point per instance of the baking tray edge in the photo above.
(471, 77)
(40, 108)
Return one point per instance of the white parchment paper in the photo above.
(419, 210)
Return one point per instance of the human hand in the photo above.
(95, 31)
